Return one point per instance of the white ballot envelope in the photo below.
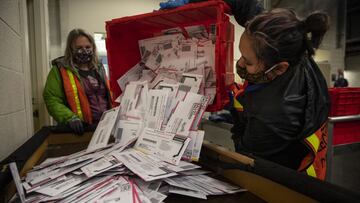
(150, 43)
(190, 82)
(102, 133)
(133, 74)
(17, 181)
(127, 130)
(197, 31)
(165, 146)
(132, 102)
(185, 113)
(145, 166)
(203, 105)
(171, 103)
(101, 165)
(156, 106)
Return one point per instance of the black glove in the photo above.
(77, 126)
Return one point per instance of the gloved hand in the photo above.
(173, 4)
(77, 126)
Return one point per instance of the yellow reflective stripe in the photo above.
(311, 171)
(237, 104)
(314, 140)
(77, 101)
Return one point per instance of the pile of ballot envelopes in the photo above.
(156, 132)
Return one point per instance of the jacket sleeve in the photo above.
(55, 98)
(238, 128)
(243, 10)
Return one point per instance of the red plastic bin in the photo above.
(346, 133)
(123, 35)
(344, 101)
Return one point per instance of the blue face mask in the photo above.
(83, 56)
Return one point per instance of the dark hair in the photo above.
(280, 35)
(69, 50)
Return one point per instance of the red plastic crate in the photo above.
(123, 35)
(344, 101)
(346, 133)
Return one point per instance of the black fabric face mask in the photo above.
(83, 56)
(256, 78)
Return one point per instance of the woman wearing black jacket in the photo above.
(285, 102)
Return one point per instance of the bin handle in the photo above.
(339, 119)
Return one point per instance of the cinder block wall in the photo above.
(15, 93)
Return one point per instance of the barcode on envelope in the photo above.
(149, 140)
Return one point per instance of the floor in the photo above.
(346, 166)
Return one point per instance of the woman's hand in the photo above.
(77, 126)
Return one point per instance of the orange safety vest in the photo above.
(237, 90)
(75, 95)
(314, 163)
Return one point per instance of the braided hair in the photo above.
(280, 35)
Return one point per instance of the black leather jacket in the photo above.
(279, 115)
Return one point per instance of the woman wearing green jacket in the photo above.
(76, 90)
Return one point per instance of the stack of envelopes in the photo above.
(155, 128)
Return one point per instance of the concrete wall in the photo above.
(332, 49)
(15, 92)
(352, 71)
(89, 15)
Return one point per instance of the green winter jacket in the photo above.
(54, 96)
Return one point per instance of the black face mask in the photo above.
(256, 78)
(83, 56)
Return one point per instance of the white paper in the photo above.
(197, 31)
(127, 130)
(164, 146)
(152, 59)
(184, 183)
(190, 82)
(143, 165)
(90, 193)
(80, 190)
(133, 74)
(150, 139)
(54, 174)
(203, 105)
(220, 185)
(199, 138)
(155, 42)
(102, 133)
(147, 75)
(171, 102)
(186, 192)
(182, 166)
(17, 181)
(182, 119)
(62, 185)
(122, 194)
(133, 102)
(149, 186)
(156, 106)
(140, 196)
(210, 92)
(106, 163)
(181, 59)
